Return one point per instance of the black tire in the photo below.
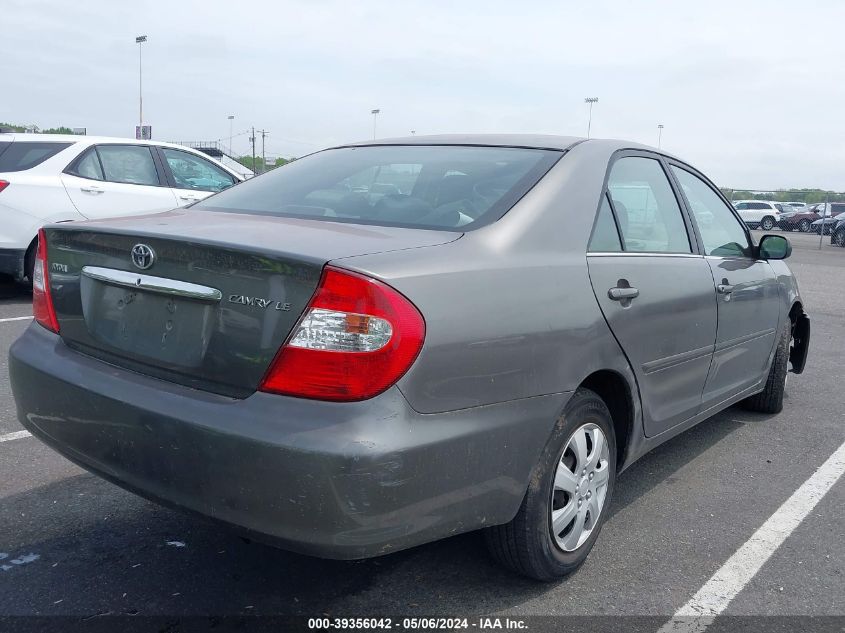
(767, 223)
(526, 544)
(770, 400)
(804, 227)
(838, 238)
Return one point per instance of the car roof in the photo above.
(18, 137)
(533, 141)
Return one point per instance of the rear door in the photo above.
(654, 289)
(112, 180)
(747, 291)
(193, 177)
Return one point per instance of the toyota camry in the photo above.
(384, 344)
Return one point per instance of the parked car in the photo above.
(802, 219)
(837, 234)
(759, 213)
(54, 178)
(348, 378)
(826, 216)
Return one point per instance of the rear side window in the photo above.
(646, 208)
(26, 155)
(130, 164)
(605, 237)
(88, 166)
(437, 187)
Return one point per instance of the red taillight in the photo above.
(357, 337)
(3, 184)
(42, 301)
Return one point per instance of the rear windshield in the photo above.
(438, 187)
(26, 155)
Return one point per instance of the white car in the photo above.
(759, 213)
(48, 178)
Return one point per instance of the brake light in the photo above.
(3, 184)
(357, 337)
(42, 300)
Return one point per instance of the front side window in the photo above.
(448, 187)
(646, 208)
(193, 172)
(131, 164)
(721, 233)
(24, 155)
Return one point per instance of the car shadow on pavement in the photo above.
(102, 550)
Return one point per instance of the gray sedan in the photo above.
(384, 344)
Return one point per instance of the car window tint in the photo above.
(646, 208)
(193, 172)
(88, 166)
(447, 187)
(721, 233)
(132, 164)
(26, 155)
(605, 237)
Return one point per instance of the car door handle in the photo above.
(724, 288)
(623, 294)
(91, 189)
(189, 198)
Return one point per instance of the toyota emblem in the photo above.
(143, 256)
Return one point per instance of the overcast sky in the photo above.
(752, 93)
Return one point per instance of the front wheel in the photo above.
(804, 227)
(770, 400)
(839, 237)
(567, 498)
(767, 223)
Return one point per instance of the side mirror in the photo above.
(774, 247)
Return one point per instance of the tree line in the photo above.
(808, 196)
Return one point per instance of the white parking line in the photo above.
(9, 319)
(697, 614)
(17, 435)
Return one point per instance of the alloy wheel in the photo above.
(768, 224)
(805, 226)
(580, 487)
(839, 238)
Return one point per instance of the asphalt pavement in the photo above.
(71, 543)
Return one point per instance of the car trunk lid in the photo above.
(203, 299)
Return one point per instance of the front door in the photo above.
(655, 292)
(747, 293)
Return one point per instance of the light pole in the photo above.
(591, 101)
(231, 118)
(659, 134)
(140, 40)
(375, 114)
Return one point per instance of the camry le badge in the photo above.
(143, 256)
(259, 302)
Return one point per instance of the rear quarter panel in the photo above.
(509, 309)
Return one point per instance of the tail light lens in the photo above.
(3, 184)
(356, 339)
(42, 301)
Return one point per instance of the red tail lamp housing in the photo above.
(42, 300)
(357, 337)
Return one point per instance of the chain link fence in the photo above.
(810, 211)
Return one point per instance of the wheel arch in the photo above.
(614, 389)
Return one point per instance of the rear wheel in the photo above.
(770, 400)
(567, 498)
(804, 226)
(767, 223)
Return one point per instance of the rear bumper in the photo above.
(12, 262)
(349, 480)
